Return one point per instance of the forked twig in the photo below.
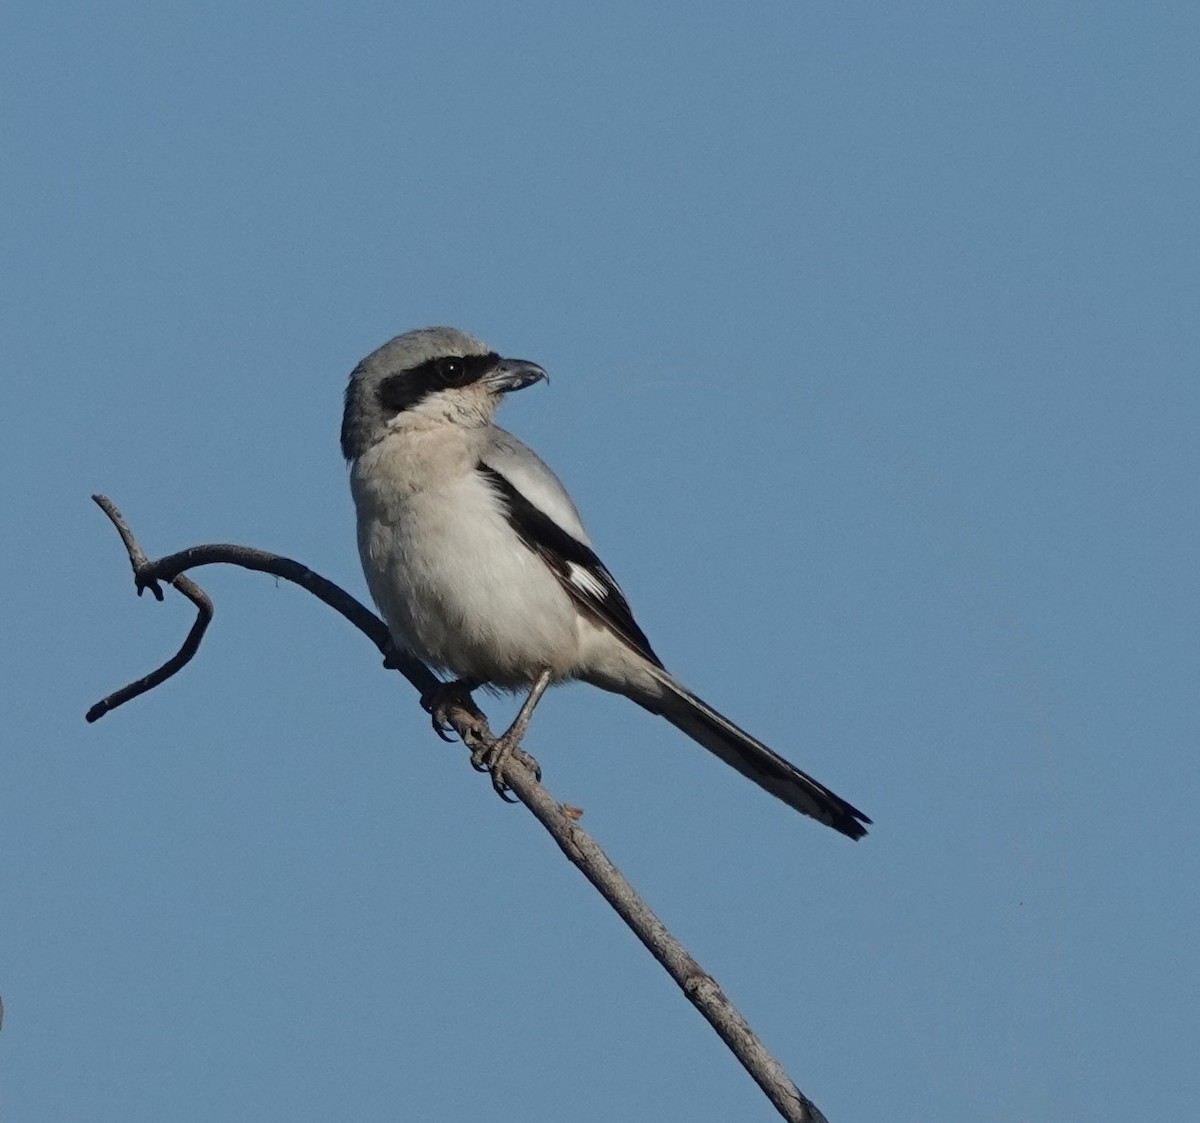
(471, 725)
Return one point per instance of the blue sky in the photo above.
(873, 337)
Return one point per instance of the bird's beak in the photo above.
(513, 374)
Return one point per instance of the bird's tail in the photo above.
(752, 758)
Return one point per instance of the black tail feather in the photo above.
(755, 761)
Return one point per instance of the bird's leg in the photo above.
(496, 756)
(446, 694)
(513, 734)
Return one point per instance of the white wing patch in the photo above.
(586, 580)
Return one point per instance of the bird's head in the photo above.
(427, 377)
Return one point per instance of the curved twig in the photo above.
(471, 725)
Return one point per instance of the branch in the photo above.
(520, 777)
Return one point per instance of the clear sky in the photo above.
(873, 334)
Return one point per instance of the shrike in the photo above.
(479, 562)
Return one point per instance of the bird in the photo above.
(479, 563)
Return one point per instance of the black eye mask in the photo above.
(404, 390)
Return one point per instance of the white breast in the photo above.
(455, 584)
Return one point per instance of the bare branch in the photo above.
(520, 777)
(700, 987)
(147, 575)
(188, 587)
(204, 613)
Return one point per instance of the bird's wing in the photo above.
(535, 518)
(532, 477)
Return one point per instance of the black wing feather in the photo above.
(599, 595)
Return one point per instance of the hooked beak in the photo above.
(513, 374)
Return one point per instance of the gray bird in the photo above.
(480, 565)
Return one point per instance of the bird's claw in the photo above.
(440, 699)
(441, 726)
(496, 757)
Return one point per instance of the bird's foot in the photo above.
(488, 753)
(446, 696)
(496, 757)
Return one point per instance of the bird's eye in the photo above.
(451, 372)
